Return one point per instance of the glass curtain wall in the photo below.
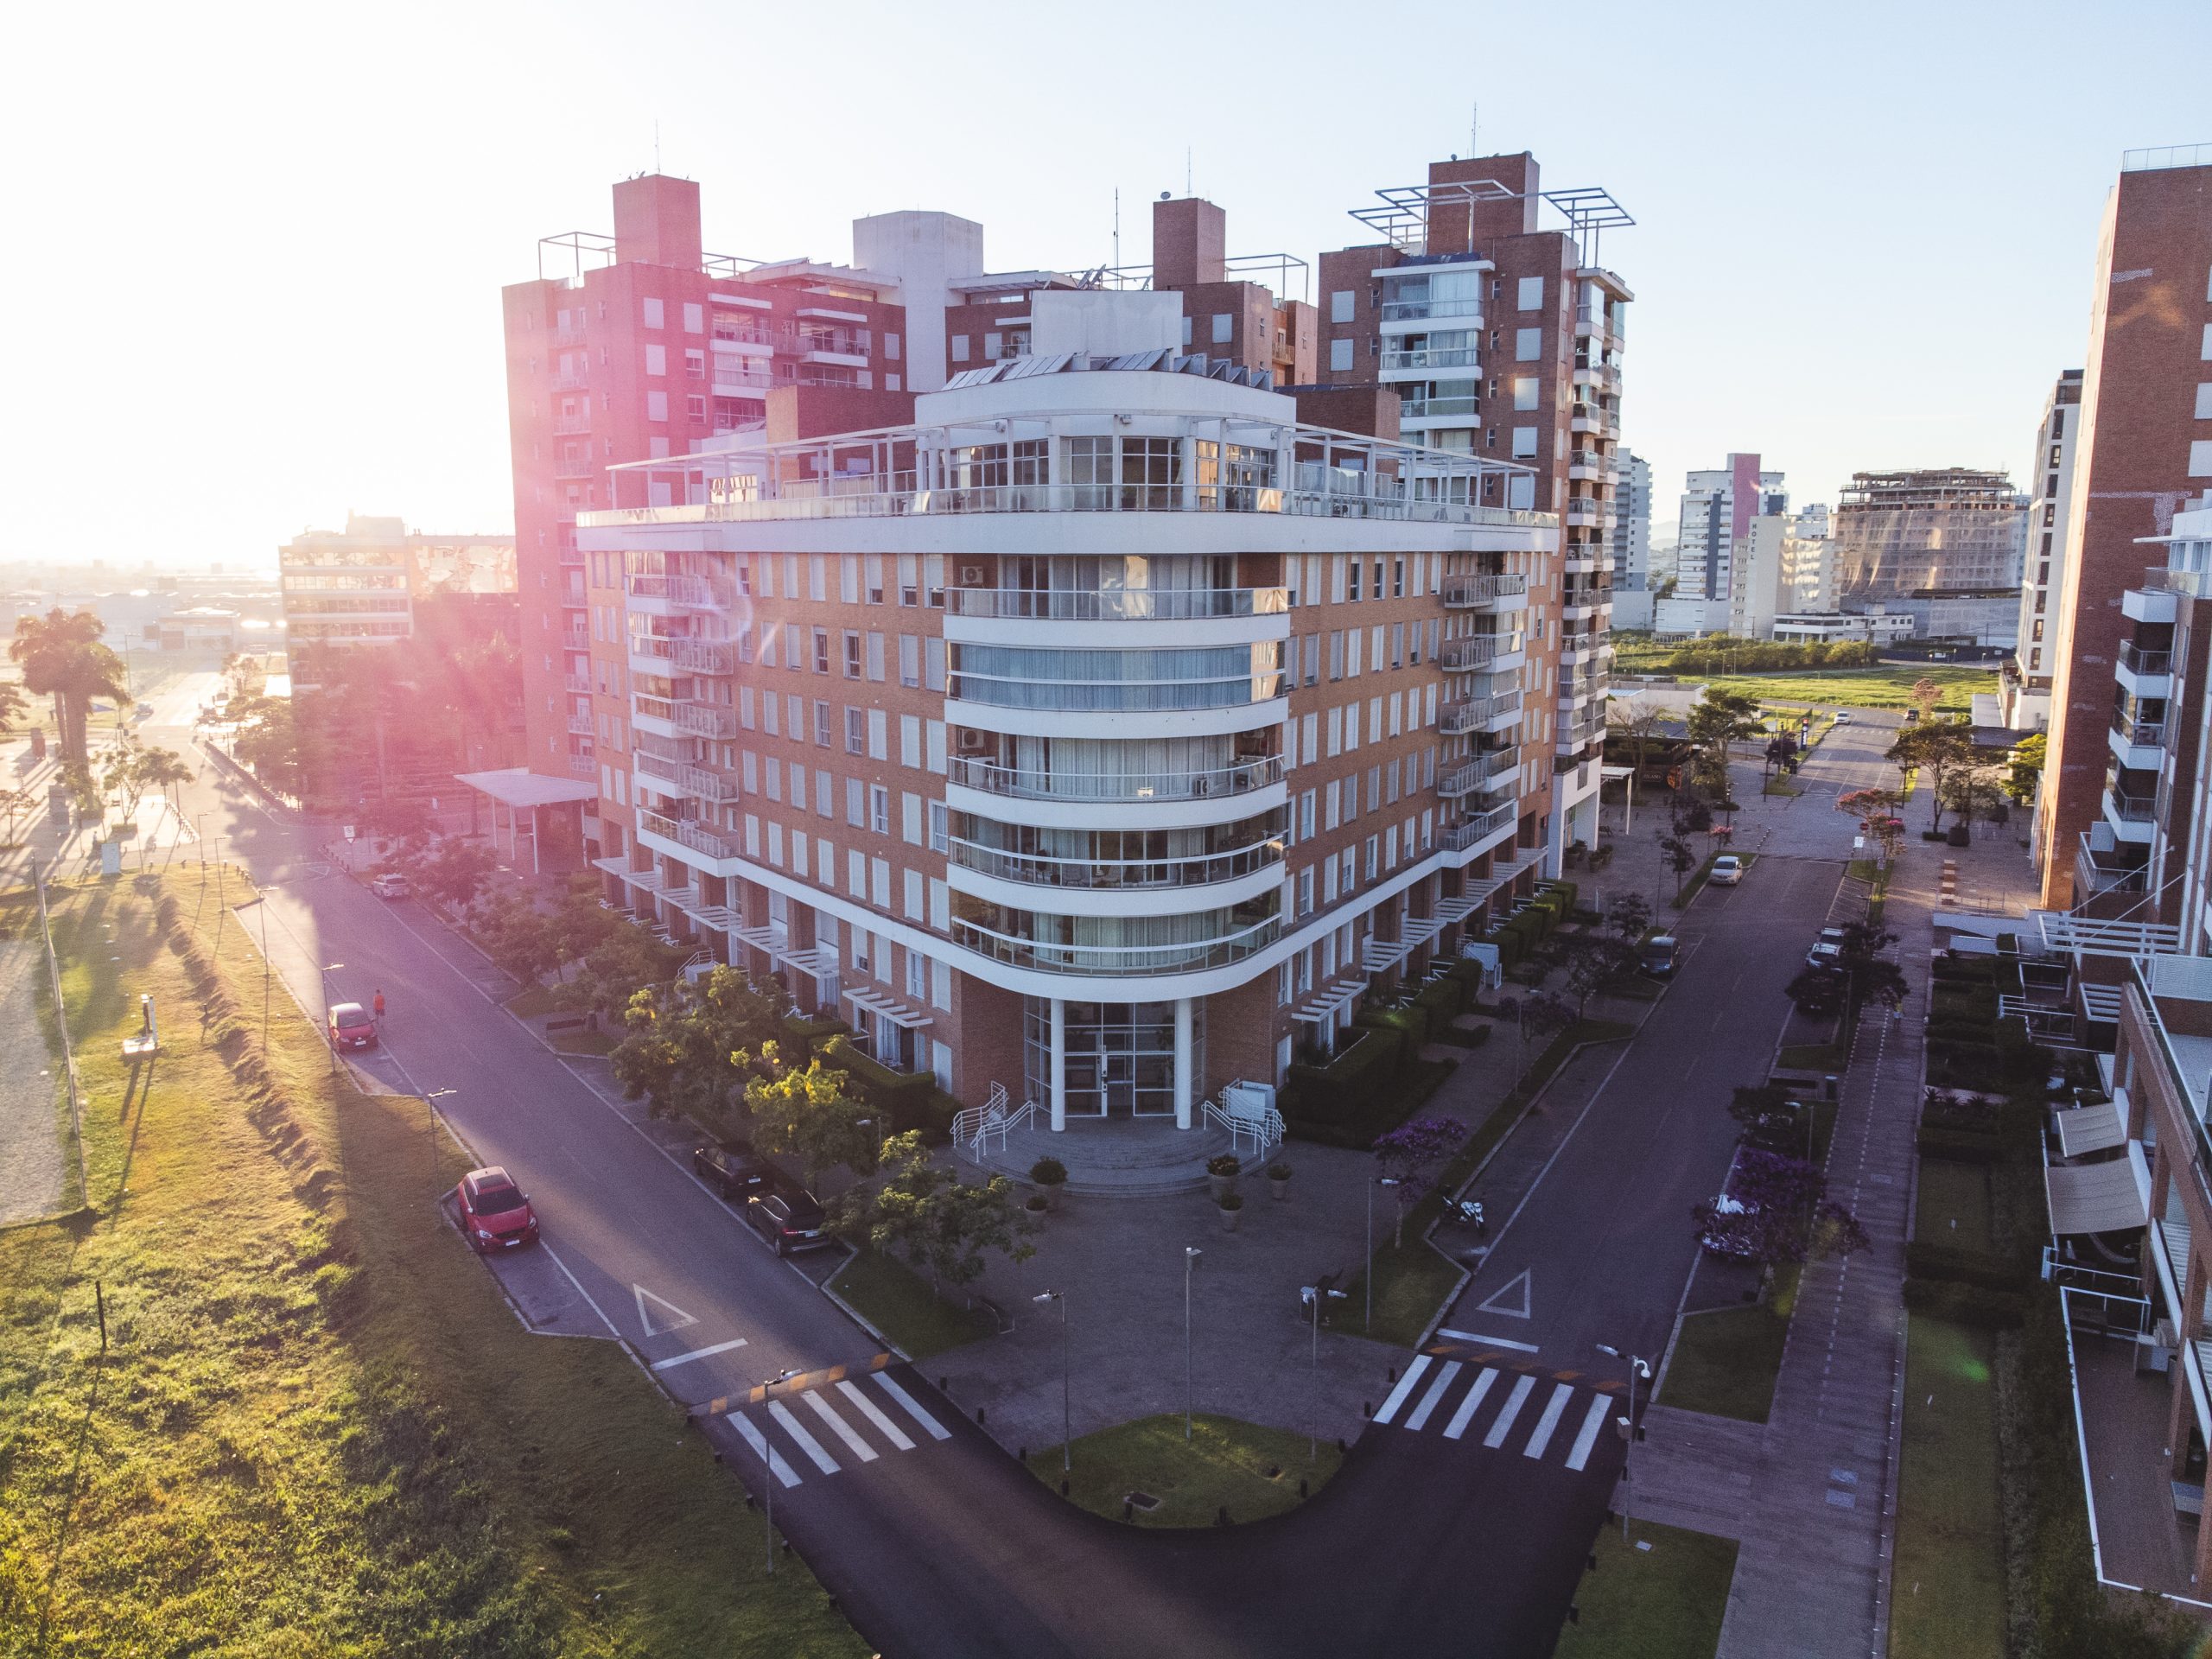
(1119, 1057)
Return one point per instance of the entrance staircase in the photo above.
(1109, 1157)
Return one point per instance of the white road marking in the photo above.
(873, 1413)
(1542, 1438)
(1466, 1415)
(699, 1353)
(1494, 1342)
(557, 1262)
(884, 1381)
(761, 1449)
(807, 1443)
(1501, 1302)
(859, 1447)
(676, 1320)
(1397, 1396)
(1514, 1402)
(1578, 1455)
(1419, 1417)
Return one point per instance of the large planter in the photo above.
(1222, 1186)
(1279, 1189)
(1228, 1217)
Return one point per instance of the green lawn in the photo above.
(1812, 1057)
(317, 1429)
(1780, 784)
(583, 1041)
(1951, 1191)
(1726, 1360)
(894, 1300)
(1252, 1471)
(1947, 1596)
(1878, 687)
(534, 1003)
(1665, 1602)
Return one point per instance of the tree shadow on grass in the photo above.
(68, 1505)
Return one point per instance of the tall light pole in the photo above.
(1311, 1296)
(1636, 1367)
(1373, 1181)
(328, 970)
(1061, 1297)
(768, 1465)
(1190, 1260)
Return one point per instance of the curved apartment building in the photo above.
(1104, 734)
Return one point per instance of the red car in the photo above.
(352, 1026)
(495, 1213)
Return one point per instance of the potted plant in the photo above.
(1279, 1180)
(1226, 1206)
(1222, 1171)
(1049, 1173)
(1036, 1204)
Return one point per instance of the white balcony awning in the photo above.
(1329, 1001)
(897, 1013)
(1457, 910)
(815, 964)
(2095, 1197)
(2090, 1129)
(1380, 955)
(518, 787)
(761, 939)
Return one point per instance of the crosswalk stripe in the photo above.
(1561, 1393)
(869, 1410)
(1579, 1454)
(807, 1443)
(761, 1449)
(859, 1447)
(1514, 1401)
(1428, 1401)
(890, 1386)
(1466, 1415)
(1405, 1387)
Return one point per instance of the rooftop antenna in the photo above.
(655, 143)
(1186, 170)
(1474, 129)
(1117, 227)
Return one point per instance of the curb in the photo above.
(849, 1310)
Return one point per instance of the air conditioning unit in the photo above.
(972, 742)
(971, 575)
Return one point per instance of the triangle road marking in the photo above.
(674, 1317)
(1502, 1300)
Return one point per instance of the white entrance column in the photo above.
(1182, 1086)
(1059, 1065)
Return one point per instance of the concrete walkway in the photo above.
(33, 1157)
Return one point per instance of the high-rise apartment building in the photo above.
(2144, 445)
(1630, 540)
(2024, 690)
(1097, 733)
(1784, 565)
(1504, 339)
(1942, 545)
(1719, 507)
(641, 346)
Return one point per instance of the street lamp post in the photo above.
(1373, 1181)
(328, 970)
(1061, 1297)
(768, 1466)
(1311, 1296)
(1636, 1367)
(1191, 1256)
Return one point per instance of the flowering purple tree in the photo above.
(1776, 1209)
(1409, 1156)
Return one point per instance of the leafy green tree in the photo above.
(455, 871)
(926, 1215)
(1677, 855)
(1593, 962)
(166, 770)
(1720, 720)
(2024, 767)
(680, 1054)
(1937, 749)
(811, 1114)
(611, 971)
(1877, 812)
(61, 656)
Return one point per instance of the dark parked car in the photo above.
(788, 1219)
(731, 1170)
(1658, 956)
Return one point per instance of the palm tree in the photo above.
(61, 656)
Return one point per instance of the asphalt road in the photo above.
(935, 1542)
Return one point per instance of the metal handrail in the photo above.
(1240, 778)
(1118, 604)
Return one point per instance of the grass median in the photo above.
(1727, 1360)
(1885, 686)
(1948, 1576)
(316, 1427)
(1250, 1472)
(891, 1297)
(1662, 1595)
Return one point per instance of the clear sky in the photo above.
(254, 255)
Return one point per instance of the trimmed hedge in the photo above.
(1991, 1310)
(1953, 1265)
(1972, 969)
(1963, 1146)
